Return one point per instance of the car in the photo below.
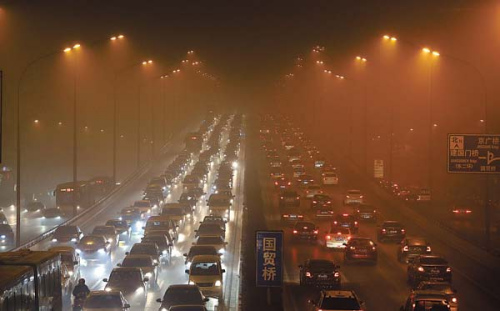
(322, 273)
(122, 228)
(297, 163)
(150, 249)
(206, 272)
(131, 282)
(197, 192)
(109, 233)
(277, 172)
(297, 172)
(391, 230)
(292, 215)
(133, 217)
(329, 178)
(275, 162)
(164, 242)
(219, 205)
(460, 212)
(105, 300)
(94, 248)
(424, 195)
(428, 268)
(146, 264)
(182, 295)
(145, 206)
(161, 223)
(289, 198)
(175, 212)
(305, 180)
(159, 181)
(66, 234)
(71, 260)
(188, 308)
(190, 181)
(444, 288)
(334, 300)
(34, 206)
(337, 237)
(6, 235)
(304, 230)
(52, 212)
(216, 241)
(3, 219)
(321, 201)
(210, 230)
(155, 197)
(213, 219)
(345, 220)
(411, 247)
(282, 183)
(365, 212)
(188, 199)
(312, 190)
(360, 249)
(353, 197)
(199, 250)
(423, 300)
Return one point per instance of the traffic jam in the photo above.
(328, 225)
(164, 251)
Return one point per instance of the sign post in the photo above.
(378, 169)
(269, 257)
(476, 154)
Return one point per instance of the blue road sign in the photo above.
(269, 258)
(474, 153)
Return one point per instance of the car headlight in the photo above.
(54, 240)
(192, 283)
(138, 225)
(163, 309)
(73, 240)
(164, 252)
(120, 218)
(107, 289)
(78, 250)
(218, 283)
(3, 236)
(222, 250)
(454, 300)
(155, 261)
(110, 240)
(149, 275)
(139, 290)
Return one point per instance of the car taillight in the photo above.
(383, 230)
(298, 198)
(328, 237)
(355, 223)
(295, 231)
(289, 183)
(448, 269)
(405, 249)
(421, 269)
(301, 216)
(281, 198)
(428, 249)
(352, 248)
(276, 183)
(336, 274)
(339, 233)
(286, 216)
(308, 274)
(316, 231)
(329, 202)
(315, 202)
(402, 230)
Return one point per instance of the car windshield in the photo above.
(305, 225)
(210, 240)
(330, 175)
(392, 225)
(137, 262)
(340, 230)
(365, 209)
(66, 230)
(142, 204)
(340, 303)
(117, 223)
(433, 286)
(122, 276)
(354, 192)
(433, 261)
(290, 193)
(103, 301)
(321, 197)
(204, 268)
(173, 211)
(183, 295)
(209, 227)
(143, 249)
(101, 230)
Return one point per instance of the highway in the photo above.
(173, 272)
(384, 286)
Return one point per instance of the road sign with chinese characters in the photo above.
(269, 258)
(474, 153)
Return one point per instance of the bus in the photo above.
(30, 280)
(69, 194)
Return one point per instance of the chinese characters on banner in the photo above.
(269, 258)
(474, 153)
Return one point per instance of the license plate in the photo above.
(393, 231)
(435, 271)
(322, 276)
(339, 239)
(365, 216)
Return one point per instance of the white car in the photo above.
(101, 300)
(330, 178)
(337, 237)
(297, 164)
(353, 197)
(312, 190)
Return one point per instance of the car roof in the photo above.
(429, 294)
(416, 241)
(339, 293)
(206, 258)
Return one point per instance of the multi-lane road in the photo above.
(173, 272)
(383, 286)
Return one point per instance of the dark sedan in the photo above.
(321, 273)
(360, 249)
(303, 230)
(428, 268)
(391, 230)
